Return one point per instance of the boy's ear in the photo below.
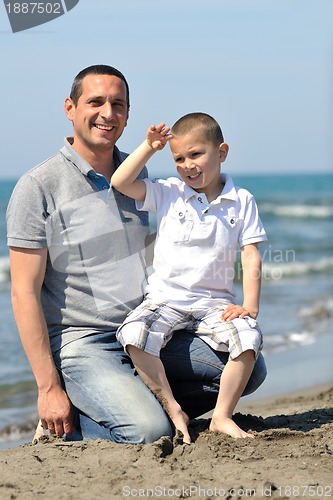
(224, 148)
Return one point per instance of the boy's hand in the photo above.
(157, 137)
(235, 311)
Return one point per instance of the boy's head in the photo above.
(209, 127)
(198, 148)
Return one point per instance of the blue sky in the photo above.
(262, 68)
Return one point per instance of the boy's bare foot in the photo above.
(180, 421)
(228, 426)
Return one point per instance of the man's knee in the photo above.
(148, 432)
(142, 430)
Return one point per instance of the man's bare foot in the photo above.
(39, 432)
(228, 426)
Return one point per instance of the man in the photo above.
(77, 266)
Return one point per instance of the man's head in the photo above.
(198, 148)
(97, 69)
(98, 107)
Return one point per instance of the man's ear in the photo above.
(224, 148)
(69, 108)
(127, 116)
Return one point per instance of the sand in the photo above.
(290, 457)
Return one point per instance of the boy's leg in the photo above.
(103, 385)
(143, 333)
(243, 339)
(233, 381)
(151, 370)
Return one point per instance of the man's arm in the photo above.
(251, 264)
(125, 177)
(27, 273)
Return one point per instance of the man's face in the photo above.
(100, 115)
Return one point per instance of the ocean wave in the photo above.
(18, 411)
(278, 270)
(4, 270)
(320, 310)
(270, 271)
(316, 320)
(303, 211)
(19, 431)
(277, 343)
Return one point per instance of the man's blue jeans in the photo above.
(115, 404)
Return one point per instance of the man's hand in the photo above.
(157, 137)
(56, 412)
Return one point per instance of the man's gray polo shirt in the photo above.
(96, 241)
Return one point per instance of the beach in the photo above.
(290, 457)
(291, 414)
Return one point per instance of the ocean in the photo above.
(296, 308)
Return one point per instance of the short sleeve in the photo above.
(154, 193)
(253, 230)
(26, 215)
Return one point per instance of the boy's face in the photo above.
(198, 161)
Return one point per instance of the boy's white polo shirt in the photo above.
(197, 241)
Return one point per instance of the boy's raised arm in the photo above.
(125, 177)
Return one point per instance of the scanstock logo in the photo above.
(25, 15)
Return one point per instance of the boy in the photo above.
(201, 220)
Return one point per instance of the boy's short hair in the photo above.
(192, 121)
(97, 69)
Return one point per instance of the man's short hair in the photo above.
(97, 69)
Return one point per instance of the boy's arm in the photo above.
(125, 177)
(251, 264)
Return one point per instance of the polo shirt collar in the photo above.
(73, 156)
(228, 192)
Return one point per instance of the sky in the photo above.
(262, 68)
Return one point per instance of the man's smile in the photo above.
(103, 127)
